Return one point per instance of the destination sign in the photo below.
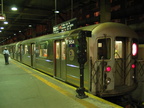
(65, 26)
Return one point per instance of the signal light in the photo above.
(108, 69)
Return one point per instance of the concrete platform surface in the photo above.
(24, 87)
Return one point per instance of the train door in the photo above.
(121, 58)
(33, 47)
(60, 58)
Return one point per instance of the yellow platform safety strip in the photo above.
(64, 92)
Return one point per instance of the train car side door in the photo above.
(60, 59)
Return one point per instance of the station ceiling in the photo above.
(32, 12)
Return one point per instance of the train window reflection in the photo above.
(118, 49)
(104, 48)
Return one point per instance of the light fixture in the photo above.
(1, 28)
(5, 22)
(14, 9)
(29, 25)
(56, 12)
(19, 31)
(2, 17)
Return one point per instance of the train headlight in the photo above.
(108, 69)
(134, 49)
(108, 80)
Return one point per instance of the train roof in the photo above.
(99, 30)
(113, 30)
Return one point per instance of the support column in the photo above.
(105, 11)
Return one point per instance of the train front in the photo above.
(113, 51)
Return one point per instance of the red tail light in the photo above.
(108, 69)
(133, 66)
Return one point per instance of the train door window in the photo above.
(28, 49)
(25, 49)
(118, 49)
(63, 47)
(104, 48)
(43, 50)
(57, 50)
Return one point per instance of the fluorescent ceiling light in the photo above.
(5, 22)
(14, 8)
(56, 11)
(1, 27)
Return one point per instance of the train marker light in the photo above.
(134, 49)
(108, 69)
(133, 66)
(108, 80)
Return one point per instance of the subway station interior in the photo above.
(65, 81)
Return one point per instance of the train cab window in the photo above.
(104, 48)
(43, 50)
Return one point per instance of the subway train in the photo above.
(111, 55)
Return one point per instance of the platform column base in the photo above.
(80, 93)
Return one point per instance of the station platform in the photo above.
(24, 87)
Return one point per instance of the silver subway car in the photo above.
(111, 57)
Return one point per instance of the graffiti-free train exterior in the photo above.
(111, 57)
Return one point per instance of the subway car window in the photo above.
(29, 49)
(43, 50)
(104, 48)
(37, 51)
